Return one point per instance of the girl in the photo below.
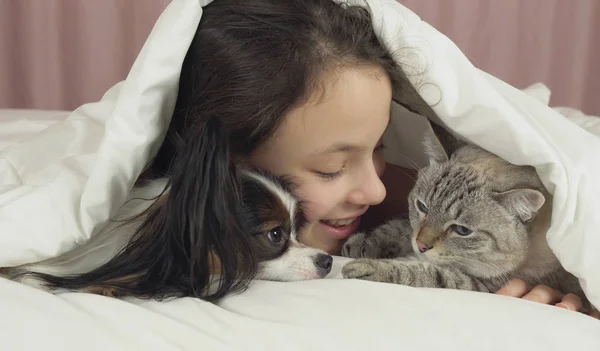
(301, 88)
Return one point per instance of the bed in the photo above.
(64, 173)
(312, 315)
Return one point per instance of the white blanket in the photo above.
(59, 185)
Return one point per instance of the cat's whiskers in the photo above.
(496, 271)
(411, 176)
(463, 262)
(412, 162)
(500, 272)
(471, 265)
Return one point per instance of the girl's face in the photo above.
(331, 147)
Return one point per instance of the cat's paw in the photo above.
(355, 247)
(366, 269)
(397, 271)
(361, 245)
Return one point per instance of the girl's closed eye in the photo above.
(333, 175)
(330, 175)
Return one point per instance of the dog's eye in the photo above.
(460, 230)
(421, 206)
(275, 235)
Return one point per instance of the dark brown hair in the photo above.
(249, 63)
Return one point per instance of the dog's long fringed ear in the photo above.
(439, 143)
(203, 214)
(188, 236)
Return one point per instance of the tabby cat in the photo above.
(475, 221)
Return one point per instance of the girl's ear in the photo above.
(192, 232)
(440, 144)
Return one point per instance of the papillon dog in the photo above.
(123, 260)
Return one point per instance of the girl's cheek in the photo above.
(312, 208)
(315, 201)
(305, 194)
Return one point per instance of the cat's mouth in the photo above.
(415, 246)
(432, 253)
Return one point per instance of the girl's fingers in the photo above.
(515, 288)
(571, 302)
(544, 294)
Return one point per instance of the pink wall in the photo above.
(58, 54)
(556, 42)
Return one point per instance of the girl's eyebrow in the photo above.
(339, 147)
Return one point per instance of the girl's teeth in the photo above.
(340, 222)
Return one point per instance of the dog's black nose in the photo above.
(324, 263)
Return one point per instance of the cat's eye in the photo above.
(421, 206)
(461, 230)
(275, 235)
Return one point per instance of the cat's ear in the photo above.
(439, 143)
(524, 203)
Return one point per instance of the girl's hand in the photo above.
(543, 294)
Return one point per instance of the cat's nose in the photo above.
(422, 246)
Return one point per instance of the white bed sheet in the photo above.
(329, 314)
